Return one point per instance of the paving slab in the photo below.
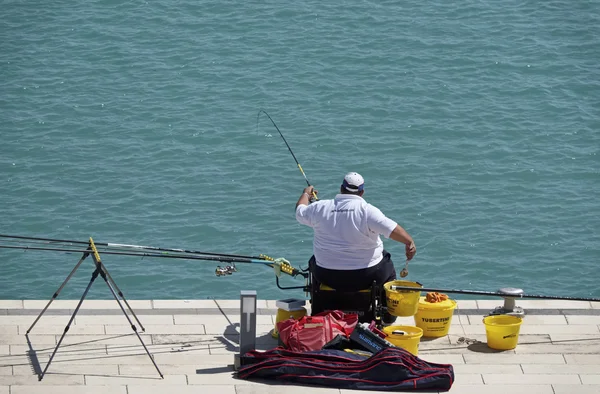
(574, 319)
(71, 369)
(201, 304)
(136, 357)
(184, 304)
(590, 378)
(503, 358)
(16, 320)
(87, 304)
(13, 360)
(582, 359)
(175, 369)
(10, 330)
(124, 339)
(120, 319)
(576, 389)
(500, 389)
(218, 319)
(469, 378)
(208, 389)
(11, 304)
(443, 358)
(45, 351)
(59, 389)
(49, 380)
(576, 369)
(460, 369)
(59, 329)
(39, 340)
(524, 379)
(218, 375)
(557, 349)
(580, 339)
(138, 380)
(466, 304)
(284, 388)
(156, 329)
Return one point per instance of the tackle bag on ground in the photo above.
(313, 332)
(392, 369)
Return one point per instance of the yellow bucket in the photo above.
(502, 331)
(435, 317)
(402, 302)
(282, 315)
(407, 338)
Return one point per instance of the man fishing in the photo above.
(348, 252)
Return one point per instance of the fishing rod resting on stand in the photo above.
(93, 249)
(114, 289)
(279, 265)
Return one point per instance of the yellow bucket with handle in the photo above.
(502, 331)
(402, 302)
(406, 337)
(435, 318)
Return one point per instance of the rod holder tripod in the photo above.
(100, 270)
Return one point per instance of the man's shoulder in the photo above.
(316, 204)
(320, 203)
(372, 209)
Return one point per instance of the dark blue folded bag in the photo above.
(391, 369)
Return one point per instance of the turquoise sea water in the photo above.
(476, 126)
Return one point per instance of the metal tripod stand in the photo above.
(114, 289)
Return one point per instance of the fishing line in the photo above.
(404, 271)
(288, 146)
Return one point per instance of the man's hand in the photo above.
(308, 196)
(411, 250)
(309, 190)
(312, 193)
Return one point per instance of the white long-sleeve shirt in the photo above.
(346, 231)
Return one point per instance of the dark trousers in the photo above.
(355, 280)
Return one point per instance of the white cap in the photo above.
(353, 182)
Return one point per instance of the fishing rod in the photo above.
(144, 254)
(113, 245)
(494, 293)
(288, 146)
(279, 265)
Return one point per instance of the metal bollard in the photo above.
(509, 307)
(247, 325)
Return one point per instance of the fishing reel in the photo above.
(227, 270)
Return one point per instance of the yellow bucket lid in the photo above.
(446, 304)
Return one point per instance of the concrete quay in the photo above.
(194, 341)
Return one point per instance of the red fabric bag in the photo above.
(313, 332)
